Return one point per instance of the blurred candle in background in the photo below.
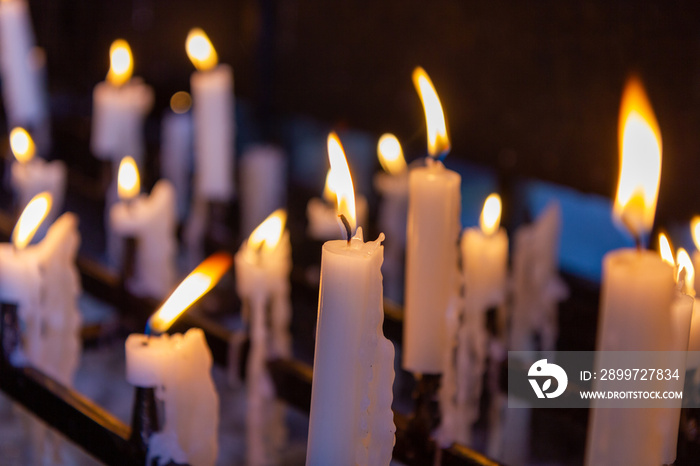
(432, 282)
(263, 184)
(150, 219)
(214, 124)
(119, 107)
(176, 149)
(32, 175)
(392, 185)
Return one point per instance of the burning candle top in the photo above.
(32, 216)
(640, 162)
(121, 66)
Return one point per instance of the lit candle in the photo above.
(431, 251)
(392, 185)
(151, 221)
(21, 79)
(694, 343)
(32, 175)
(263, 264)
(119, 106)
(638, 289)
(176, 148)
(263, 184)
(214, 125)
(321, 213)
(681, 313)
(351, 421)
(179, 367)
(484, 267)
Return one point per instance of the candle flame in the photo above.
(267, 235)
(490, 218)
(128, 180)
(121, 64)
(200, 50)
(695, 229)
(31, 218)
(640, 161)
(684, 263)
(329, 188)
(194, 286)
(180, 102)
(665, 250)
(391, 154)
(438, 141)
(342, 180)
(22, 145)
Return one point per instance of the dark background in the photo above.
(531, 88)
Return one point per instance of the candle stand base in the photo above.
(419, 447)
(144, 418)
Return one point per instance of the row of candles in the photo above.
(350, 416)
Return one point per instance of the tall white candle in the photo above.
(176, 148)
(392, 185)
(151, 220)
(21, 79)
(214, 125)
(119, 107)
(351, 421)
(637, 292)
(434, 203)
(32, 175)
(263, 184)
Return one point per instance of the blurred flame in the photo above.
(128, 180)
(391, 154)
(438, 142)
(200, 50)
(342, 181)
(180, 102)
(121, 64)
(640, 161)
(22, 145)
(490, 218)
(684, 263)
(695, 229)
(31, 218)
(665, 250)
(268, 234)
(194, 286)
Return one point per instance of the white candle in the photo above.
(323, 217)
(119, 107)
(392, 185)
(21, 78)
(214, 125)
(176, 148)
(431, 250)
(179, 367)
(484, 266)
(151, 220)
(351, 421)
(263, 184)
(263, 264)
(637, 292)
(32, 175)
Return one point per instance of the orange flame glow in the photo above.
(30, 220)
(342, 180)
(438, 141)
(121, 64)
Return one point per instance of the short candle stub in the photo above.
(346, 224)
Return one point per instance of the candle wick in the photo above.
(346, 224)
